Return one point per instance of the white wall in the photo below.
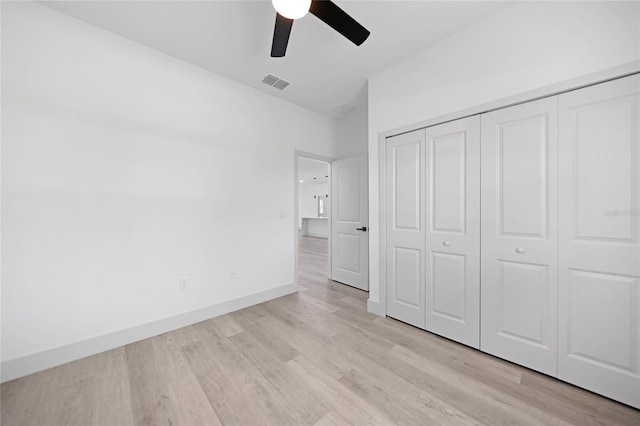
(308, 205)
(521, 48)
(124, 169)
(352, 135)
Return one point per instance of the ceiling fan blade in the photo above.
(281, 36)
(329, 13)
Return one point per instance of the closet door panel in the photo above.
(405, 190)
(599, 287)
(448, 289)
(523, 291)
(453, 231)
(522, 181)
(519, 234)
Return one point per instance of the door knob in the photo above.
(363, 229)
(446, 243)
(519, 250)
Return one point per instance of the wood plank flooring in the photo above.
(315, 357)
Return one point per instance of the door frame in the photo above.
(297, 154)
(379, 307)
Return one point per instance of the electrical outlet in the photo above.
(183, 283)
(233, 275)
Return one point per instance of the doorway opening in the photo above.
(336, 213)
(313, 213)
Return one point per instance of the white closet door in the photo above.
(405, 170)
(599, 291)
(453, 231)
(519, 234)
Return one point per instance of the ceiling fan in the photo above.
(325, 10)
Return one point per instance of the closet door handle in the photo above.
(520, 250)
(363, 229)
(446, 243)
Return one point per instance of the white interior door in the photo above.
(349, 222)
(599, 294)
(453, 231)
(405, 228)
(519, 234)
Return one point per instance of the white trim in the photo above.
(376, 308)
(19, 367)
(330, 221)
(311, 234)
(379, 307)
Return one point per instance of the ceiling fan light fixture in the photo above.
(292, 9)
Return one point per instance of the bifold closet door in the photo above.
(599, 292)
(453, 230)
(405, 228)
(519, 234)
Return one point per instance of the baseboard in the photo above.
(313, 234)
(19, 367)
(375, 308)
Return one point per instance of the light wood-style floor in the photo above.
(315, 357)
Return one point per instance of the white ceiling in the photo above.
(233, 38)
(312, 171)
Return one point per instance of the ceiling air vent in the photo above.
(345, 109)
(276, 82)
